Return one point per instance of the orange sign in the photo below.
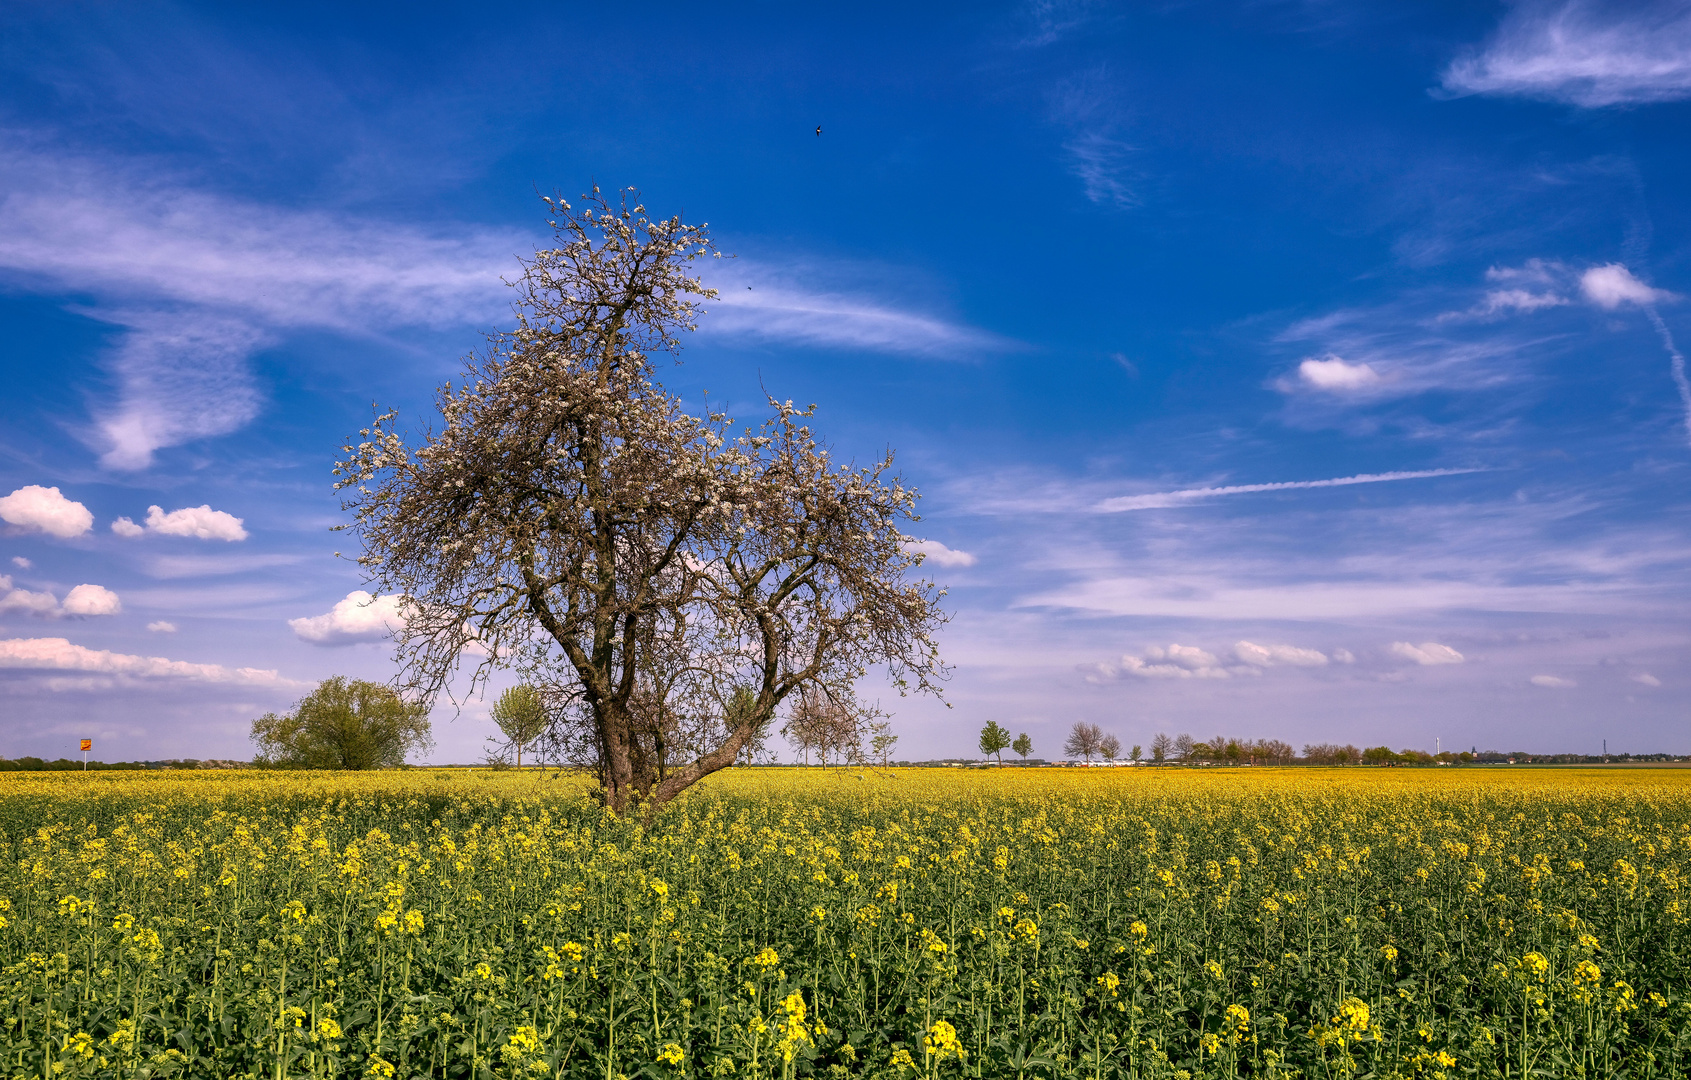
(87, 745)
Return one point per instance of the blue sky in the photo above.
(1126, 286)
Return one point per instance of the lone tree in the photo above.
(1023, 745)
(994, 741)
(1085, 740)
(568, 518)
(344, 724)
(520, 713)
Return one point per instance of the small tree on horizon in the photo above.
(1133, 754)
(1109, 747)
(1160, 747)
(994, 741)
(1023, 745)
(883, 741)
(1084, 740)
(520, 713)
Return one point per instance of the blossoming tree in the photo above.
(569, 518)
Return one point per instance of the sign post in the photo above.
(87, 745)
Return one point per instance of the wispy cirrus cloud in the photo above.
(200, 281)
(1088, 105)
(1582, 53)
(807, 303)
(1052, 20)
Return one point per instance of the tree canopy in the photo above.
(641, 564)
(994, 741)
(520, 713)
(344, 724)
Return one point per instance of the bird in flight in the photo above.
(818, 130)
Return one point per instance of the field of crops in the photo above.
(1146, 923)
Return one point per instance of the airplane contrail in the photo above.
(1678, 365)
(1160, 499)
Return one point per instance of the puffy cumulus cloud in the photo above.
(82, 600)
(1249, 652)
(199, 522)
(1611, 285)
(57, 654)
(359, 617)
(1343, 656)
(21, 563)
(1336, 375)
(161, 627)
(26, 602)
(936, 552)
(1582, 53)
(1174, 662)
(1552, 682)
(1428, 653)
(45, 509)
(91, 600)
(1646, 678)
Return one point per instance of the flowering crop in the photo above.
(1143, 923)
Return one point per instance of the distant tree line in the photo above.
(35, 764)
(1088, 741)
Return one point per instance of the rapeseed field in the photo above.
(913, 923)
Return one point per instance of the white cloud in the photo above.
(1583, 53)
(1519, 300)
(359, 617)
(82, 600)
(200, 522)
(44, 604)
(1090, 106)
(1101, 162)
(45, 509)
(1611, 285)
(57, 654)
(1335, 374)
(1174, 662)
(1428, 653)
(21, 563)
(1249, 652)
(91, 600)
(1343, 656)
(797, 303)
(127, 529)
(1161, 499)
(1646, 678)
(936, 552)
(1542, 272)
(1552, 682)
(1054, 18)
(161, 627)
(200, 282)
